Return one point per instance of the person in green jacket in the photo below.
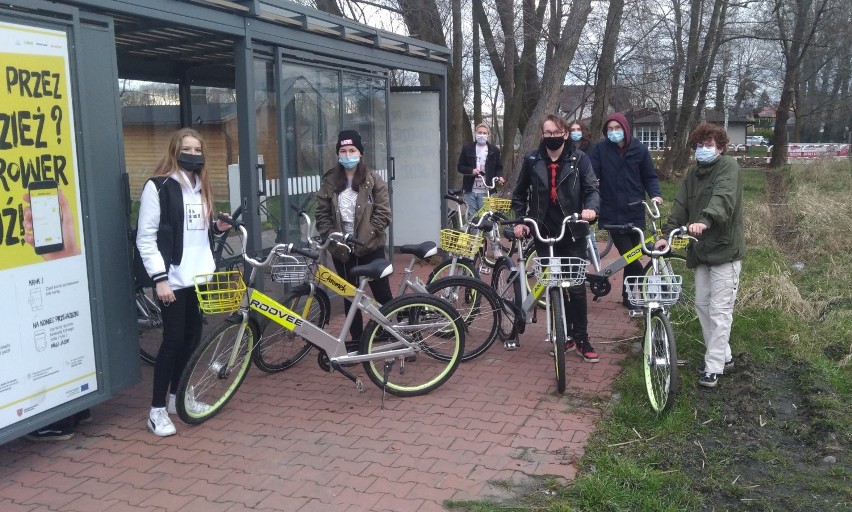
(709, 203)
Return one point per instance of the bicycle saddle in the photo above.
(422, 251)
(374, 270)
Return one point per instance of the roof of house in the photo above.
(645, 116)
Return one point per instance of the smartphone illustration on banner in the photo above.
(47, 216)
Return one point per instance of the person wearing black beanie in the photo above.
(354, 199)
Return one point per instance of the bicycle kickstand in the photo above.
(388, 367)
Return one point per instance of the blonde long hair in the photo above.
(169, 164)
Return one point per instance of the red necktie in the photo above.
(553, 168)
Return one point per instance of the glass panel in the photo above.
(269, 170)
(214, 115)
(150, 113)
(311, 112)
(365, 110)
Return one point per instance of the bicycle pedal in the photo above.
(512, 345)
(635, 313)
(484, 270)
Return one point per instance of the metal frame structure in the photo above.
(191, 43)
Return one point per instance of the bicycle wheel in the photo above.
(478, 306)
(277, 348)
(684, 310)
(425, 321)
(215, 370)
(464, 267)
(557, 332)
(660, 362)
(508, 290)
(150, 322)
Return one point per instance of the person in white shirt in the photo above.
(174, 238)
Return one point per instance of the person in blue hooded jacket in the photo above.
(625, 174)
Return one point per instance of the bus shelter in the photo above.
(268, 83)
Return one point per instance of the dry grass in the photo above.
(774, 289)
(812, 224)
(820, 201)
(757, 225)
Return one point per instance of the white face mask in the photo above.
(481, 139)
(705, 155)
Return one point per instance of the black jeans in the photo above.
(380, 287)
(576, 308)
(624, 241)
(181, 333)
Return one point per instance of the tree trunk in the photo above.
(697, 68)
(795, 48)
(554, 77)
(477, 80)
(606, 65)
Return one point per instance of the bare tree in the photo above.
(805, 17)
(703, 40)
(606, 65)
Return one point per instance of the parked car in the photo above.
(756, 140)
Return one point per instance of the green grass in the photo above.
(758, 441)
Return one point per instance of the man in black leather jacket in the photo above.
(556, 181)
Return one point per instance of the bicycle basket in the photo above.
(662, 289)
(679, 243)
(461, 244)
(495, 204)
(557, 270)
(290, 269)
(220, 292)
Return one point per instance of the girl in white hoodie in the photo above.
(174, 235)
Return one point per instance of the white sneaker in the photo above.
(160, 424)
(193, 406)
(171, 408)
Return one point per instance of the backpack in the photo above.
(143, 280)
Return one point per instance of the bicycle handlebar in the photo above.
(286, 248)
(457, 199)
(571, 219)
(656, 253)
(493, 185)
(654, 214)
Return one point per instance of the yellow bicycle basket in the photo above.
(220, 292)
(461, 244)
(495, 204)
(679, 243)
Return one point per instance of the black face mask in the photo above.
(191, 163)
(553, 143)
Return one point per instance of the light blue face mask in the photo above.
(616, 136)
(576, 136)
(349, 162)
(481, 139)
(705, 155)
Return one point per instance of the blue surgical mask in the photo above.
(481, 139)
(616, 136)
(349, 162)
(705, 155)
(576, 136)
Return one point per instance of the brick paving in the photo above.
(304, 440)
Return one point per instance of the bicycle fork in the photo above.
(223, 370)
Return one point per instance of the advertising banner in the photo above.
(46, 342)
